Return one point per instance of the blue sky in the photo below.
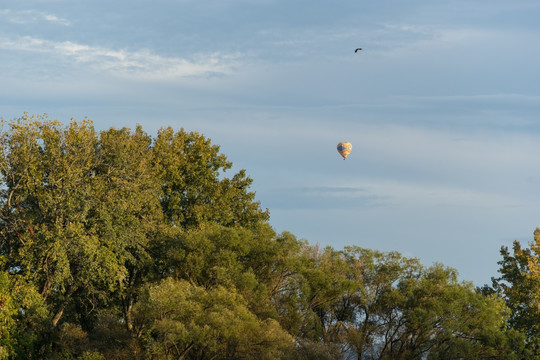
(442, 106)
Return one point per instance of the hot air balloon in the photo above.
(344, 149)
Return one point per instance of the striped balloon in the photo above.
(344, 148)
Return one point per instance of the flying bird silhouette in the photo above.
(357, 50)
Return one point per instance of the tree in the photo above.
(87, 218)
(407, 311)
(383, 306)
(193, 192)
(324, 280)
(77, 211)
(46, 175)
(519, 286)
(183, 321)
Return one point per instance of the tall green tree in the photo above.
(46, 198)
(519, 286)
(407, 311)
(380, 305)
(87, 218)
(193, 189)
(128, 217)
(78, 210)
(183, 321)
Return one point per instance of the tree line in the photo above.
(121, 245)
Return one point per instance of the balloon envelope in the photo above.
(344, 148)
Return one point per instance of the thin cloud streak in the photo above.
(322, 197)
(435, 195)
(23, 17)
(141, 64)
(368, 194)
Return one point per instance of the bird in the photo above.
(357, 50)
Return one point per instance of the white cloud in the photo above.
(31, 16)
(134, 64)
(417, 29)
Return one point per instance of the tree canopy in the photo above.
(117, 244)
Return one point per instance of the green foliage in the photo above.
(120, 245)
(7, 315)
(87, 355)
(192, 191)
(384, 306)
(28, 323)
(83, 214)
(184, 321)
(519, 286)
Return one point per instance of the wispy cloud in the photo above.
(397, 40)
(458, 41)
(31, 16)
(385, 193)
(415, 29)
(139, 64)
(327, 197)
(432, 195)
